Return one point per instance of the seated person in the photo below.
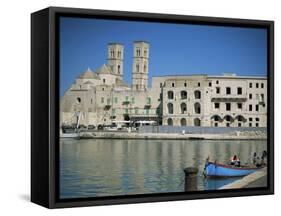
(235, 161)
(255, 158)
(258, 162)
(264, 158)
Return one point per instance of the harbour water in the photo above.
(110, 167)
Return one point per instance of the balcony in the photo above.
(143, 117)
(229, 98)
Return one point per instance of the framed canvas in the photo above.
(139, 107)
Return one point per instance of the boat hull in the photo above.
(219, 170)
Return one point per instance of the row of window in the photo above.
(137, 111)
(228, 90)
(239, 106)
(112, 54)
(197, 108)
(227, 106)
(127, 100)
(239, 124)
(197, 95)
(217, 82)
(197, 122)
(258, 96)
(138, 53)
(138, 68)
(185, 84)
(257, 85)
(257, 107)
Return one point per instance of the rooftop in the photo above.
(104, 69)
(224, 75)
(115, 43)
(89, 74)
(141, 41)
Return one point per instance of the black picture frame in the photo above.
(45, 106)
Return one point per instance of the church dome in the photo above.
(89, 74)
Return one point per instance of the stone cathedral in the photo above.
(101, 97)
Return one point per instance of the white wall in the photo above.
(15, 107)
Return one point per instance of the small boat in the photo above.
(213, 169)
(70, 131)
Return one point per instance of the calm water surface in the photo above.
(93, 168)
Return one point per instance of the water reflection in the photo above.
(91, 168)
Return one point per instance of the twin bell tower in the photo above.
(140, 63)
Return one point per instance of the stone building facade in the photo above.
(102, 97)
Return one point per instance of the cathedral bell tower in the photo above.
(140, 66)
(115, 59)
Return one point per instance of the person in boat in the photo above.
(255, 158)
(264, 158)
(235, 161)
(258, 162)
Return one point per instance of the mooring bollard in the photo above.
(190, 179)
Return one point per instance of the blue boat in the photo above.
(221, 170)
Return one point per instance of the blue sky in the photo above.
(175, 49)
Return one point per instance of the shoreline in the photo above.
(171, 136)
(256, 179)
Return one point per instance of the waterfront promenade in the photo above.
(256, 179)
(173, 136)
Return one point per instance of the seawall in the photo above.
(173, 136)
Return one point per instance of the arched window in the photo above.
(118, 69)
(144, 68)
(170, 122)
(197, 108)
(183, 95)
(183, 108)
(197, 122)
(197, 94)
(78, 100)
(216, 118)
(170, 95)
(183, 122)
(138, 67)
(228, 118)
(241, 118)
(170, 108)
